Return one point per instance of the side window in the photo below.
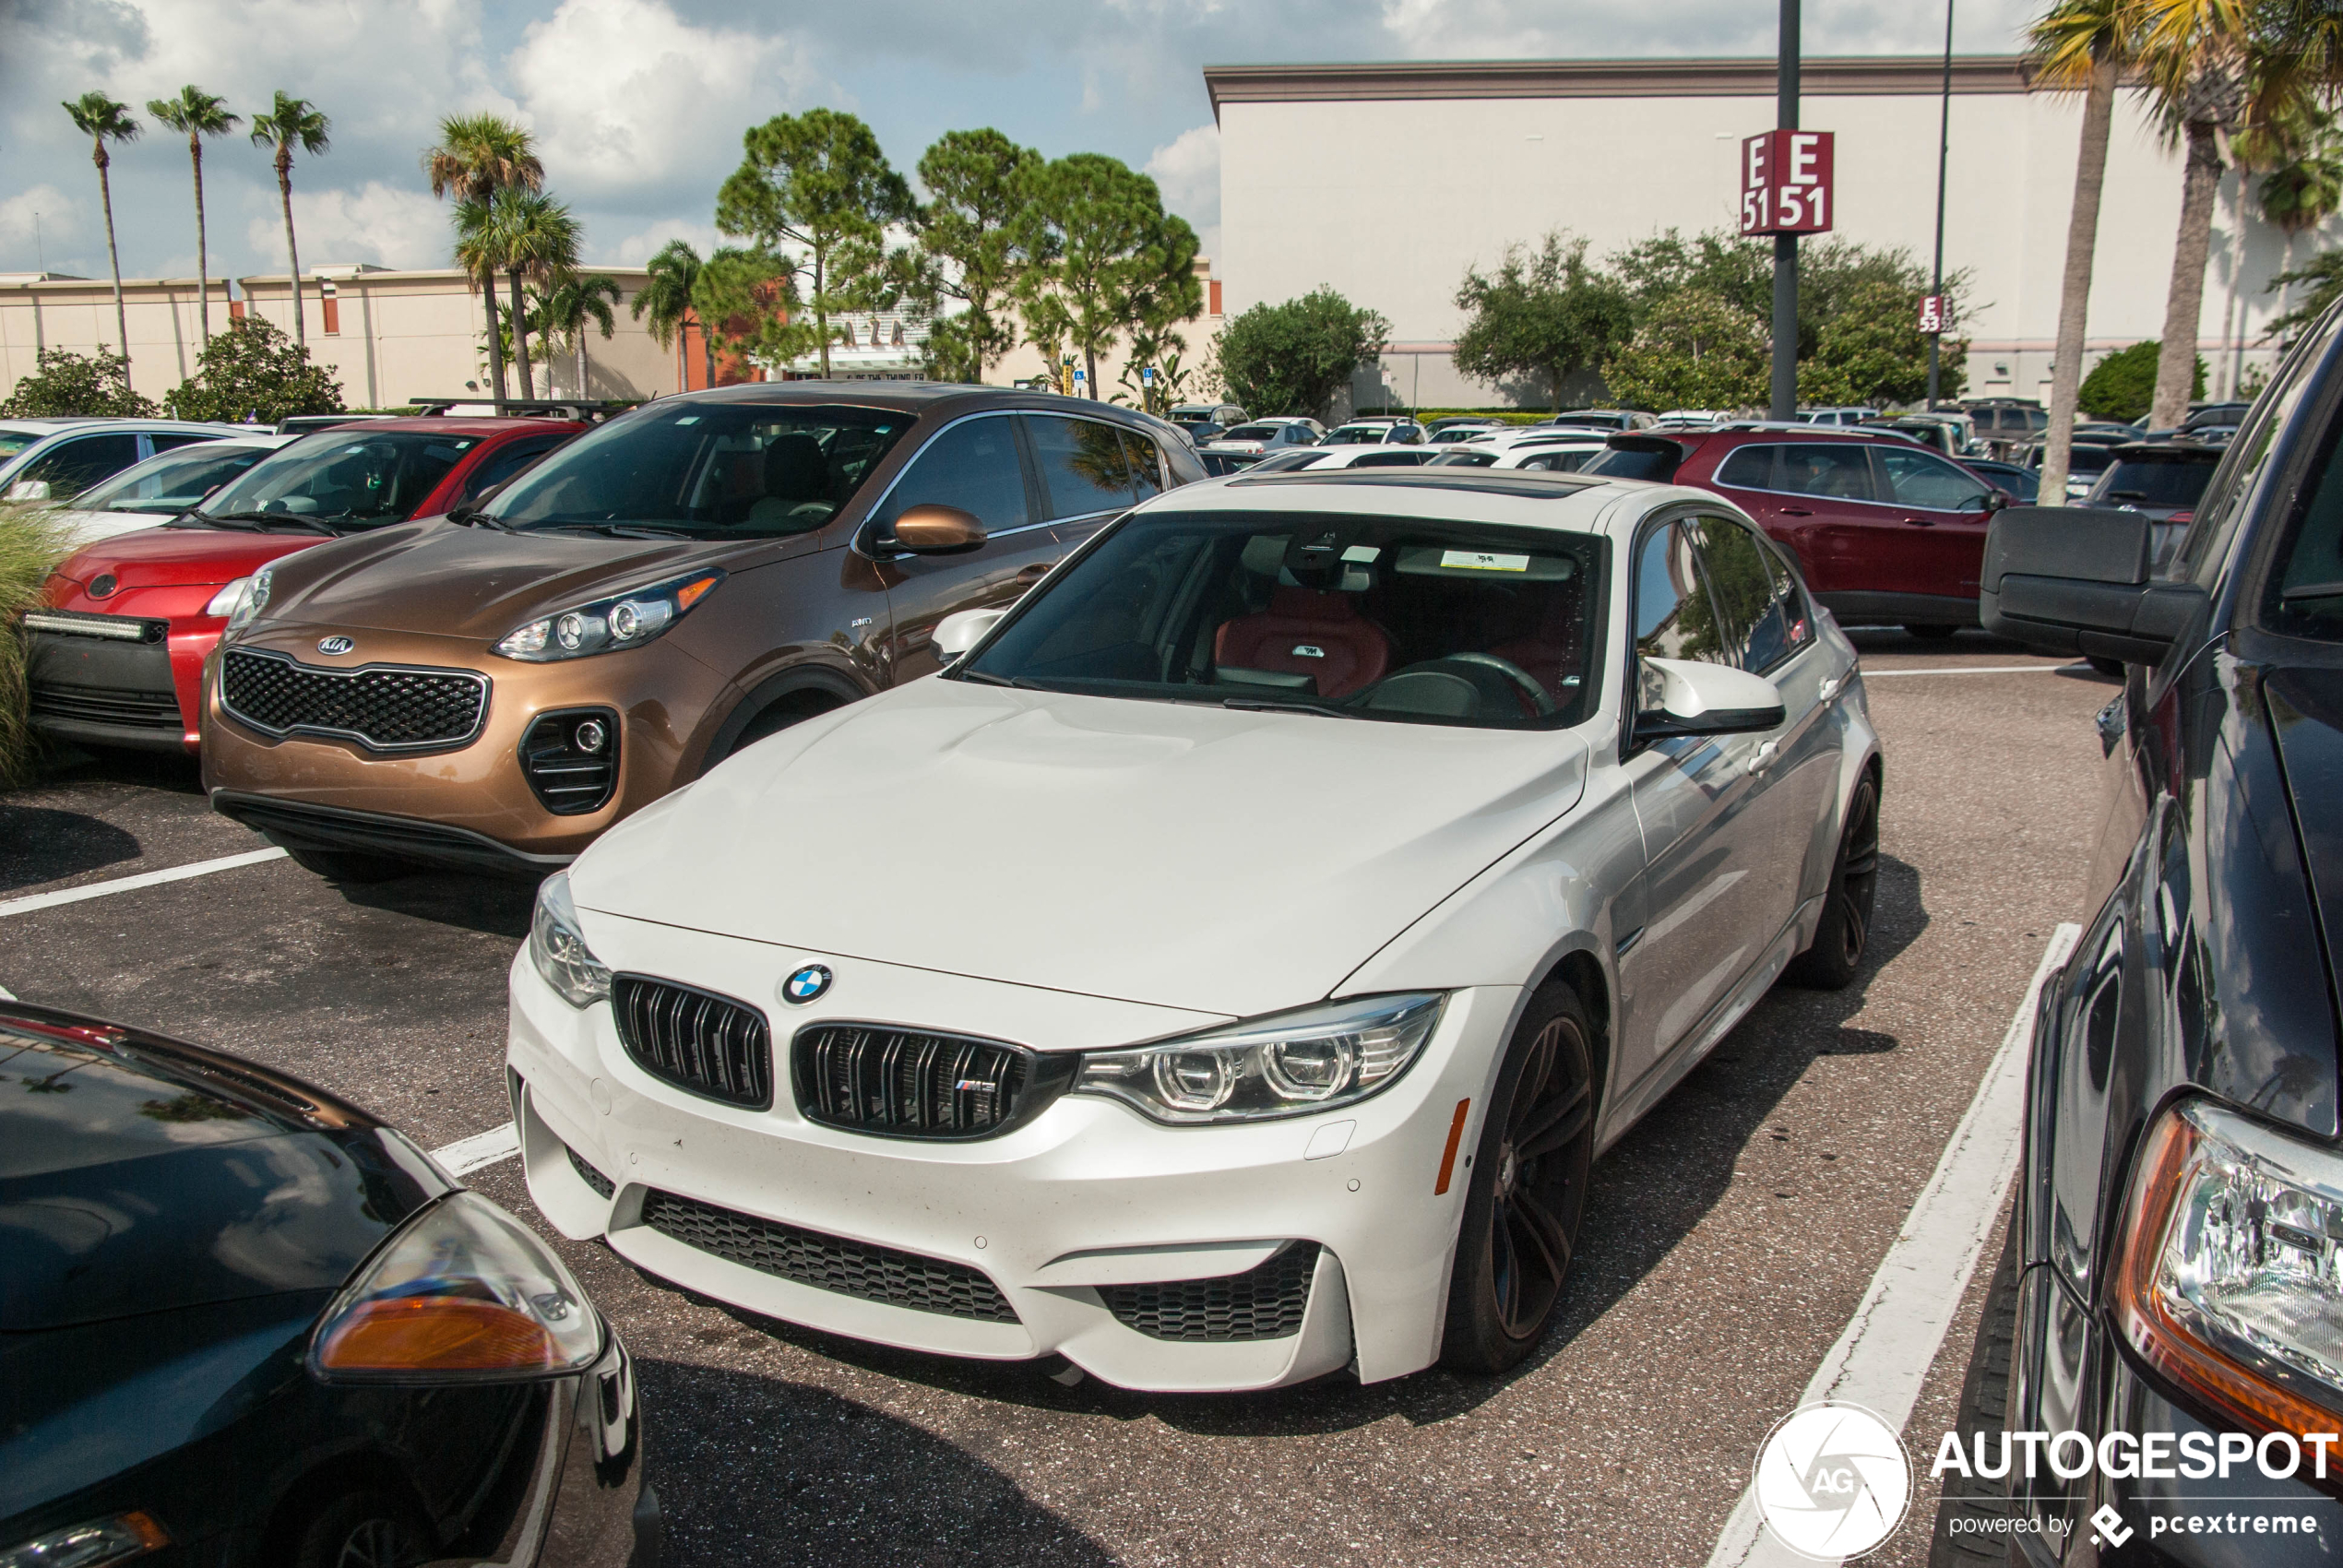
(972, 466)
(165, 441)
(505, 462)
(1797, 615)
(1835, 472)
(73, 466)
(1916, 479)
(1674, 616)
(2206, 545)
(1748, 612)
(1748, 468)
(1082, 466)
(1147, 465)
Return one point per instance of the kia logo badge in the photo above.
(335, 645)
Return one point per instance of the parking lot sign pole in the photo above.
(1943, 143)
(1785, 390)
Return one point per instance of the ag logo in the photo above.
(806, 983)
(1833, 1482)
(335, 645)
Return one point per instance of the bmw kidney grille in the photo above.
(706, 1044)
(909, 1083)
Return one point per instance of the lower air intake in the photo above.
(1265, 1303)
(602, 1185)
(828, 1263)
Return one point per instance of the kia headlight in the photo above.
(605, 625)
(1287, 1066)
(2230, 1280)
(558, 946)
(464, 1293)
(252, 597)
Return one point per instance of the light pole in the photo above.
(1785, 388)
(1944, 141)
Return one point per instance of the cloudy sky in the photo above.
(638, 105)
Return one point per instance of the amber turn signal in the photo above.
(437, 1334)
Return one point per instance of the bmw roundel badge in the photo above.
(806, 983)
(335, 645)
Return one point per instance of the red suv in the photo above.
(118, 647)
(1889, 532)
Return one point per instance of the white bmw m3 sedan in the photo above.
(1227, 970)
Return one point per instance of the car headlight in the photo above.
(558, 946)
(1287, 1065)
(114, 1539)
(253, 599)
(464, 1293)
(605, 625)
(230, 600)
(2230, 1280)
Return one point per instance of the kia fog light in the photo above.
(464, 1293)
(247, 609)
(2231, 1277)
(624, 621)
(558, 946)
(230, 600)
(1281, 1066)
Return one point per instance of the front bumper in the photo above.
(1056, 1214)
(115, 691)
(586, 1505)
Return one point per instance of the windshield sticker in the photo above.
(1481, 560)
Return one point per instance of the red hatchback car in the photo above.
(1887, 532)
(117, 649)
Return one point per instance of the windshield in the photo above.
(15, 440)
(705, 471)
(1393, 619)
(171, 483)
(2156, 482)
(1620, 462)
(1252, 433)
(1358, 435)
(339, 480)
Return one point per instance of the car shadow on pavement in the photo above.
(38, 844)
(499, 906)
(1649, 1191)
(769, 1471)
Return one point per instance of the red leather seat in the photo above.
(1305, 632)
(1557, 648)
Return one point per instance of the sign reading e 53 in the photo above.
(1785, 183)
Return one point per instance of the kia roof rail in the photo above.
(585, 410)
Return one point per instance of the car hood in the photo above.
(2306, 711)
(138, 1175)
(160, 557)
(442, 579)
(1189, 856)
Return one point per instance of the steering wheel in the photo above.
(1540, 705)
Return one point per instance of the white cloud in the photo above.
(38, 222)
(639, 247)
(1187, 170)
(377, 222)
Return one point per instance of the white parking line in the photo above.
(1883, 1357)
(130, 884)
(478, 1151)
(1983, 670)
(7, 996)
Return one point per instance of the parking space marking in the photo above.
(478, 1151)
(130, 884)
(1984, 669)
(7, 996)
(1883, 1357)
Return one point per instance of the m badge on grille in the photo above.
(336, 645)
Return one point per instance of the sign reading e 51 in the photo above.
(1785, 183)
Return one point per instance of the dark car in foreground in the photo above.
(2174, 1283)
(242, 1322)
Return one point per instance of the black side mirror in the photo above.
(2079, 580)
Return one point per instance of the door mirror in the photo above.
(1990, 502)
(958, 632)
(1696, 698)
(930, 528)
(29, 490)
(2077, 579)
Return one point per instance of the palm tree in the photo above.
(195, 114)
(666, 298)
(2305, 186)
(103, 120)
(565, 306)
(537, 240)
(2197, 57)
(477, 156)
(291, 121)
(2079, 46)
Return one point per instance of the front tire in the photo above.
(362, 1529)
(1984, 1409)
(1526, 1191)
(1844, 934)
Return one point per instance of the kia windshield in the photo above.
(1400, 620)
(337, 481)
(687, 469)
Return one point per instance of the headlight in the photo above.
(558, 946)
(116, 1539)
(247, 609)
(1281, 1066)
(230, 600)
(2230, 1281)
(626, 620)
(466, 1292)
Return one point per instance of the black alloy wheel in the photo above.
(362, 1529)
(1526, 1189)
(1844, 933)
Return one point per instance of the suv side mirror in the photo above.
(961, 631)
(1696, 698)
(29, 490)
(929, 529)
(2079, 579)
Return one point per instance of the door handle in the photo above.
(1027, 576)
(1767, 754)
(1793, 511)
(1924, 522)
(1831, 688)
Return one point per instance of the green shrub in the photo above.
(30, 546)
(1293, 358)
(69, 385)
(2122, 385)
(254, 372)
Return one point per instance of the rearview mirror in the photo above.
(1707, 699)
(932, 528)
(2079, 580)
(29, 490)
(961, 631)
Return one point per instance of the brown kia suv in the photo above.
(496, 687)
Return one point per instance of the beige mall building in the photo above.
(1388, 180)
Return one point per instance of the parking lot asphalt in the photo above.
(1728, 1238)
